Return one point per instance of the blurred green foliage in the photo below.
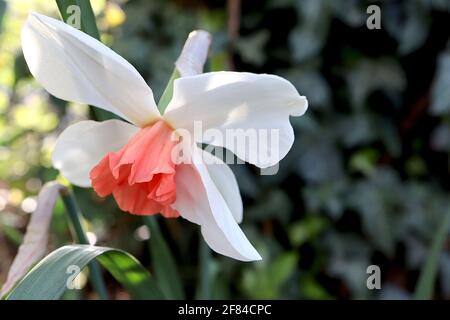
(366, 182)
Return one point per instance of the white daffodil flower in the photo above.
(133, 159)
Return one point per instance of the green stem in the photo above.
(205, 270)
(427, 279)
(75, 216)
(168, 92)
(164, 264)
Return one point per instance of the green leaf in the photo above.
(12, 234)
(364, 161)
(312, 289)
(48, 279)
(427, 278)
(266, 280)
(166, 273)
(282, 268)
(305, 230)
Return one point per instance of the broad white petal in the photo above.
(252, 108)
(225, 181)
(76, 67)
(200, 201)
(82, 145)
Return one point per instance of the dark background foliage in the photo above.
(366, 182)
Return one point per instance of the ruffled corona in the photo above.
(141, 175)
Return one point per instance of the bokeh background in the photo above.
(366, 182)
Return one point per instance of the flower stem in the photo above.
(164, 264)
(205, 271)
(75, 216)
(427, 278)
(168, 92)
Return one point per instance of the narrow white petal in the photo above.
(76, 67)
(239, 105)
(194, 53)
(82, 145)
(200, 201)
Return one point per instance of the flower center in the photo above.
(141, 175)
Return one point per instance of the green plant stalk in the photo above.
(204, 292)
(164, 265)
(427, 279)
(168, 92)
(75, 217)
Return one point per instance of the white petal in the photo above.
(76, 67)
(200, 201)
(194, 53)
(254, 103)
(82, 145)
(225, 181)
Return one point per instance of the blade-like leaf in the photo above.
(49, 278)
(427, 278)
(166, 273)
